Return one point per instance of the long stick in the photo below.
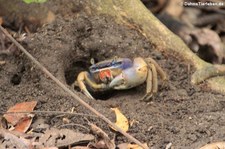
(50, 112)
(69, 91)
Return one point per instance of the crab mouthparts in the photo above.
(105, 75)
(117, 81)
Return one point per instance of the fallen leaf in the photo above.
(21, 121)
(121, 120)
(24, 124)
(14, 118)
(63, 137)
(130, 146)
(217, 145)
(9, 140)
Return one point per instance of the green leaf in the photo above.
(34, 1)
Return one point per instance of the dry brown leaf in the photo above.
(63, 137)
(217, 145)
(21, 121)
(121, 120)
(24, 124)
(14, 118)
(13, 141)
(130, 146)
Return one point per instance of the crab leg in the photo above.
(158, 68)
(151, 83)
(154, 79)
(80, 79)
(83, 77)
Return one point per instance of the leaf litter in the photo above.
(121, 120)
(40, 136)
(63, 138)
(20, 121)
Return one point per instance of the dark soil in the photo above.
(182, 114)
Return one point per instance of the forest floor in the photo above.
(186, 116)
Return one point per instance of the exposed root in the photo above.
(207, 72)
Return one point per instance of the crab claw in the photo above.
(80, 79)
(129, 78)
(118, 82)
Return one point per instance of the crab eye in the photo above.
(92, 61)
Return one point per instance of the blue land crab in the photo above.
(120, 74)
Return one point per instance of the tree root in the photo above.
(134, 13)
(207, 72)
(212, 75)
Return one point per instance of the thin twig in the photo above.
(50, 112)
(76, 97)
(73, 124)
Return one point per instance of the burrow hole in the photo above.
(72, 72)
(16, 78)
